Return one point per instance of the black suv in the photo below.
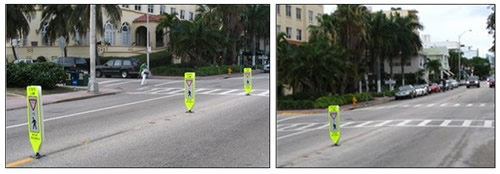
(122, 67)
(73, 63)
(472, 81)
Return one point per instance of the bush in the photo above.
(41, 59)
(180, 69)
(45, 74)
(326, 101)
(295, 104)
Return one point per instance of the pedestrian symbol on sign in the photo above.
(189, 88)
(333, 115)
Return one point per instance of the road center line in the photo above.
(96, 110)
(383, 123)
(404, 123)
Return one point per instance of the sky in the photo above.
(447, 22)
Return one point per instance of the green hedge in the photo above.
(45, 74)
(295, 104)
(180, 69)
(298, 101)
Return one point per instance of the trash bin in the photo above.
(74, 78)
(83, 79)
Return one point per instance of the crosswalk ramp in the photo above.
(430, 105)
(390, 123)
(202, 91)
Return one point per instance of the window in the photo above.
(310, 15)
(80, 61)
(299, 34)
(25, 41)
(172, 10)
(288, 10)
(109, 62)
(288, 32)
(45, 39)
(162, 9)
(125, 30)
(109, 34)
(150, 9)
(182, 14)
(278, 29)
(118, 62)
(137, 7)
(125, 6)
(278, 9)
(127, 63)
(408, 63)
(34, 43)
(191, 15)
(298, 13)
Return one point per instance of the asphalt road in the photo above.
(450, 129)
(147, 126)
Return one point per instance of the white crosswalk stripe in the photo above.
(390, 123)
(421, 105)
(209, 91)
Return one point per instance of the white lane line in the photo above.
(227, 92)
(405, 106)
(467, 123)
(392, 106)
(403, 123)
(488, 123)
(95, 110)
(430, 105)
(244, 93)
(176, 91)
(166, 83)
(264, 93)
(201, 89)
(423, 123)
(143, 88)
(108, 81)
(364, 124)
(307, 126)
(293, 134)
(383, 123)
(344, 125)
(324, 126)
(469, 105)
(443, 105)
(482, 104)
(211, 91)
(418, 105)
(160, 91)
(380, 107)
(288, 126)
(115, 84)
(445, 123)
(456, 105)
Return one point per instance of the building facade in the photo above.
(294, 20)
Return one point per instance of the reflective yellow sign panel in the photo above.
(189, 90)
(334, 122)
(35, 117)
(247, 80)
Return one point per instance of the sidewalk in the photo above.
(16, 101)
(213, 77)
(375, 101)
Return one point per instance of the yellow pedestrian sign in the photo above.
(247, 80)
(189, 90)
(334, 123)
(35, 118)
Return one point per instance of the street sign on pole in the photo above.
(247, 80)
(334, 122)
(35, 118)
(189, 90)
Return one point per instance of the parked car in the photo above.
(454, 84)
(73, 63)
(122, 67)
(266, 68)
(492, 83)
(434, 87)
(421, 90)
(27, 61)
(472, 81)
(406, 91)
(449, 85)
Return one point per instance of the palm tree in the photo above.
(491, 26)
(18, 18)
(169, 21)
(433, 66)
(257, 24)
(380, 42)
(56, 18)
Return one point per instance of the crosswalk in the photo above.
(429, 105)
(391, 123)
(203, 91)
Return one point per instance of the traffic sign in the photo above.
(334, 122)
(189, 90)
(247, 80)
(35, 118)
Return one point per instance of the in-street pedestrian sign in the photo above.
(35, 118)
(247, 80)
(189, 90)
(334, 122)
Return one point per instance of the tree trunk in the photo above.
(14, 51)
(253, 50)
(391, 87)
(65, 51)
(402, 71)
(379, 76)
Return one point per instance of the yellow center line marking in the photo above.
(20, 162)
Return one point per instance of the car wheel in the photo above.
(98, 73)
(124, 74)
(468, 86)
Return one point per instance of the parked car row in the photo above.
(412, 91)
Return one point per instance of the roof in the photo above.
(152, 18)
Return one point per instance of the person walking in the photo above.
(144, 73)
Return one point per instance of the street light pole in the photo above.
(147, 39)
(93, 86)
(459, 53)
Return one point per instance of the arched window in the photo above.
(125, 30)
(109, 34)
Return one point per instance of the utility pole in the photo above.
(459, 53)
(147, 39)
(93, 86)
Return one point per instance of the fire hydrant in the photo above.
(354, 101)
(229, 72)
